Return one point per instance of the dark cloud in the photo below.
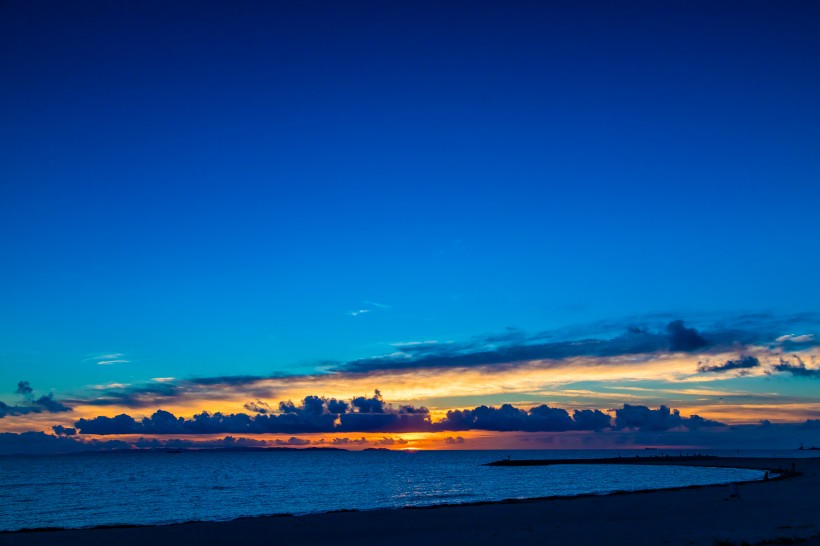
(157, 393)
(257, 407)
(135, 396)
(514, 346)
(45, 403)
(391, 441)
(336, 406)
(451, 440)
(369, 405)
(313, 414)
(292, 441)
(508, 418)
(121, 424)
(60, 430)
(349, 441)
(373, 414)
(24, 390)
(49, 404)
(683, 339)
(227, 380)
(797, 368)
(389, 421)
(661, 419)
(591, 419)
(743, 363)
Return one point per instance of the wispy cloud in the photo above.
(115, 361)
(107, 359)
(803, 338)
(797, 368)
(368, 307)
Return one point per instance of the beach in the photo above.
(784, 509)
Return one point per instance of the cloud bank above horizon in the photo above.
(558, 382)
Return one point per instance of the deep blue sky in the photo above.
(211, 188)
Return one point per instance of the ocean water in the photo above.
(160, 488)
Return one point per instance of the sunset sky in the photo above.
(574, 215)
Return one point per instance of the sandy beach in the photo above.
(781, 511)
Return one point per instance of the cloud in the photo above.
(372, 414)
(226, 380)
(60, 430)
(514, 346)
(368, 307)
(24, 390)
(801, 342)
(743, 363)
(349, 441)
(391, 441)
(587, 419)
(791, 338)
(121, 424)
(134, 396)
(661, 419)
(451, 440)
(49, 404)
(107, 359)
(163, 390)
(313, 414)
(683, 339)
(45, 403)
(257, 407)
(292, 441)
(507, 418)
(369, 405)
(797, 368)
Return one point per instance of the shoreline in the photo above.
(496, 514)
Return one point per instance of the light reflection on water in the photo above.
(156, 488)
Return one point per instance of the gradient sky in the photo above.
(196, 190)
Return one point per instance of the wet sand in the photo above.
(786, 509)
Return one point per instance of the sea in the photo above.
(154, 488)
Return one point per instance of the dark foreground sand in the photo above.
(781, 511)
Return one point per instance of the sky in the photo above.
(217, 207)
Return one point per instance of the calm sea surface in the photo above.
(156, 488)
